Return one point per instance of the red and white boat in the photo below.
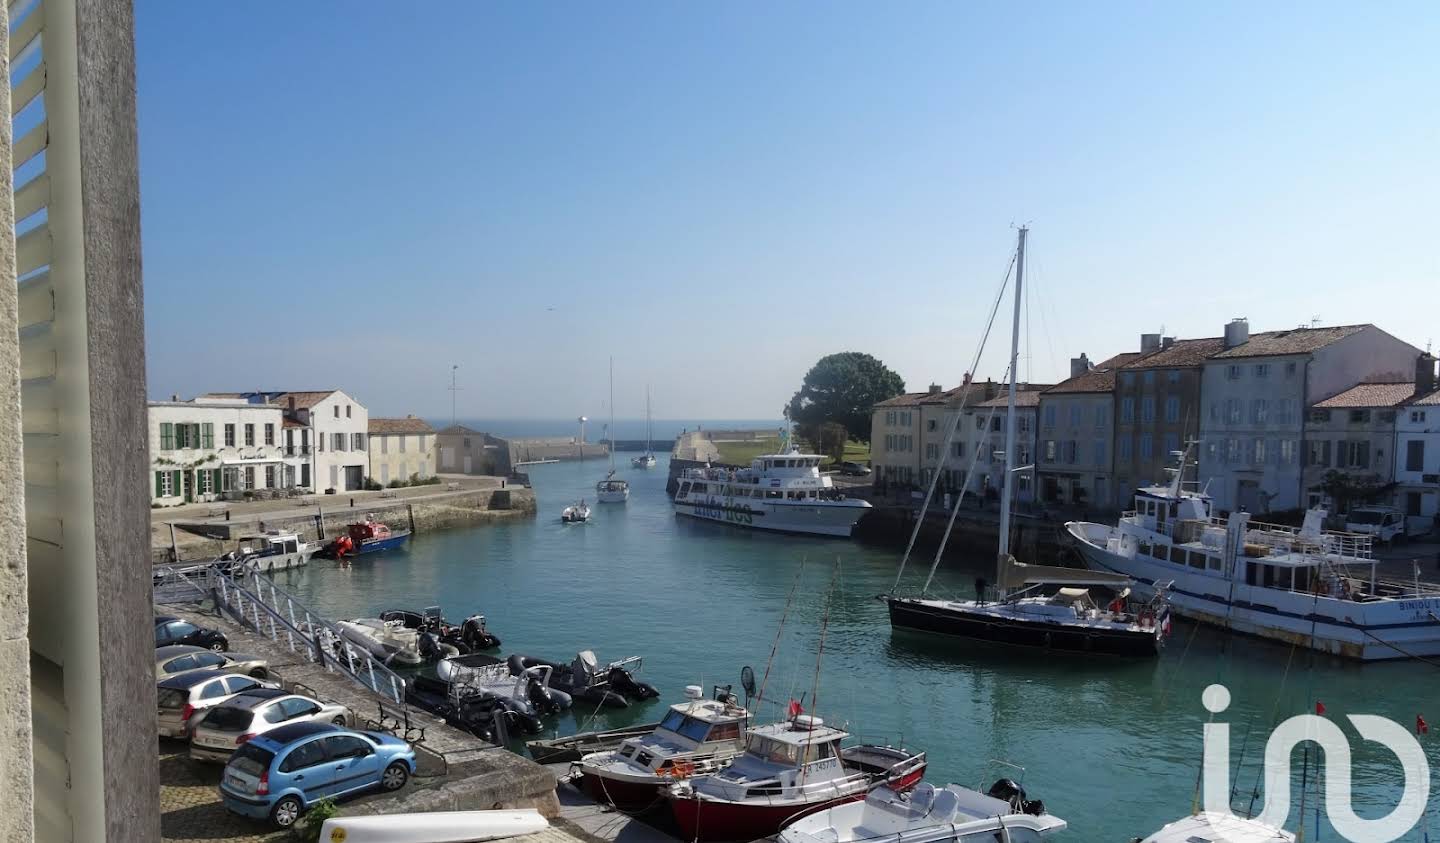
(697, 737)
(788, 770)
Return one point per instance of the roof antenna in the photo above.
(1315, 320)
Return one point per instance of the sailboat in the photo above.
(648, 460)
(612, 489)
(1036, 606)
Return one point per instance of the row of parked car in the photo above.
(282, 751)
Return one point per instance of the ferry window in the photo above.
(1250, 573)
(1197, 559)
(771, 494)
(1212, 562)
(1302, 579)
(684, 487)
(1267, 576)
(1145, 548)
(698, 488)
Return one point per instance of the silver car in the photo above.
(184, 697)
(215, 736)
(182, 658)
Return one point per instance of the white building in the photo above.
(332, 426)
(1253, 398)
(983, 429)
(401, 449)
(206, 450)
(1417, 446)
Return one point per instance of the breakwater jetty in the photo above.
(201, 531)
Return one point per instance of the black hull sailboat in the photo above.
(1033, 606)
(929, 616)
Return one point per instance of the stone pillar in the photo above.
(16, 773)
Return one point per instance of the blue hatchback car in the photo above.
(278, 774)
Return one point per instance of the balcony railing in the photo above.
(297, 450)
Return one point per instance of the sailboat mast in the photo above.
(612, 415)
(1010, 415)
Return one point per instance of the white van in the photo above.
(1383, 522)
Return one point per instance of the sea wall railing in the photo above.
(257, 602)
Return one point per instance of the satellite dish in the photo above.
(747, 681)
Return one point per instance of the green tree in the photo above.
(843, 388)
(1346, 489)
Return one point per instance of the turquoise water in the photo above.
(1113, 747)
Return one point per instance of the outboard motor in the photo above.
(516, 719)
(475, 635)
(1006, 790)
(428, 646)
(539, 695)
(621, 680)
(583, 669)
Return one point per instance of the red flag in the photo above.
(1319, 707)
(1421, 727)
(795, 708)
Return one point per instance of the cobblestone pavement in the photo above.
(190, 808)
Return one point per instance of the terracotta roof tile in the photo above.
(909, 399)
(410, 424)
(1099, 379)
(1028, 396)
(1370, 395)
(1180, 354)
(460, 430)
(1297, 341)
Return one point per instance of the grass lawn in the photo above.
(741, 453)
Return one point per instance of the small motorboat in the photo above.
(645, 461)
(787, 771)
(434, 827)
(485, 674)
(612, 685)
(952, 814)
(572, 748)
(368, 536)
(1228, 828)
(696, 737)
(389, 641)
(576, 513)
(469, 636)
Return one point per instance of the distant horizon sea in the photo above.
(664, 430)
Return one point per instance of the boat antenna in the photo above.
(775, 646)
(1010, 421)
(954, 423)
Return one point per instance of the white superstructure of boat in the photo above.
(782, 492)
(1219, 828)
(952, 814)
(434, 827)
(389, 641)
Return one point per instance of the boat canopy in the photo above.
(1019, 574)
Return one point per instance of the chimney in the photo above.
(1237, 332)
(966, 382)
(1166, 342)
(1149, 343)
(1079, 365)
(175, 396)
(1424, 374)
(292, 403)
(934, 390)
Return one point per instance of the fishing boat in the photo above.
(612, 489)
(788, 770)
(1222, 828)
(368, 536)
(952, 814)
(576, 513)
(646, 460)
(1309, 586)
(782, 492)
(572, 748)
(434, 827)
(272, 550)
(1035, 605)
(696, 737)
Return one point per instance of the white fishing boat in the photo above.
(612, 489)
(1309, 586)
(646, 460)
(434, 827)
(782, 492)
(576, 513)
(928, 815)
(389, 641)
(1218, 828)
(696, 737)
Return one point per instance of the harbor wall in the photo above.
(528, 450)
(973, 537)
(199, 541)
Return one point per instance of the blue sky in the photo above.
(359, 195)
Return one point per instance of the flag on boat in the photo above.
(1421, 727)
(795, 709)
(1319, 707)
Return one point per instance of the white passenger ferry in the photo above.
(1311, 587)
(781, 492)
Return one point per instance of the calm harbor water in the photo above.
(1113, 747)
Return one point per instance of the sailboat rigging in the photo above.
(612, 489)
(1021, 612)
(648, 459)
